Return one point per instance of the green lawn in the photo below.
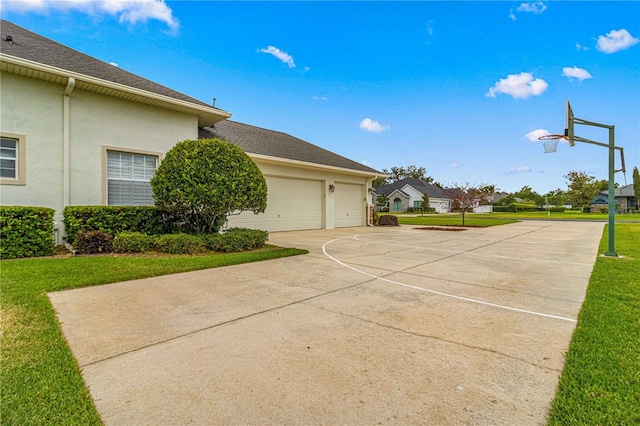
(600, 384)
(452, 219)
(41, 381)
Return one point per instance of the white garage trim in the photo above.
(350, 205)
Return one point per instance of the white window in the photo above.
(128, 177)
(12, 161)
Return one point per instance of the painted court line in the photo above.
(439, 293)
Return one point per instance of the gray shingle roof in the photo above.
(418, 184)
(34, 47)
(623, 191)
(256, 140)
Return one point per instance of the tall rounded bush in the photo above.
(202, 181)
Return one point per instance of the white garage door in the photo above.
(349, 205)
(291, 204)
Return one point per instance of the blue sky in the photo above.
(460, 88)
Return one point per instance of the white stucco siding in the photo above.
(34, 109)
(98, 121)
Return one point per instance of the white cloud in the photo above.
(519, 86)
(512, 15)
(575, 72)
(536, 7)
(615, 41)
(283, 56)
(126, 11)
(535, 134)
(580, 47)
(320, 98)
(456, 164)
(516, 170)
(373, 126)
(429, 27)
(113, 63)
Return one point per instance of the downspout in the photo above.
(370, 205)
(66, 150)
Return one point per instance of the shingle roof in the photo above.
(418, 184)
(623, 191)
(256, 140)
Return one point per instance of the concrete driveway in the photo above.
(374, 326)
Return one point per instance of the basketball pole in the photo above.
(611, 252)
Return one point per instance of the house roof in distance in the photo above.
(270, 143)
(419, 185)
(27, 52)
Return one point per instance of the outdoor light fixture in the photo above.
(332, 188)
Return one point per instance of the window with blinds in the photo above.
(8, 158)
(128, 177)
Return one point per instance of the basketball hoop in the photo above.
(551, 142)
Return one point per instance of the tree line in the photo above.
(581, 188)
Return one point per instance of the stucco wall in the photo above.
(34, 108)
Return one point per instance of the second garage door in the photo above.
(291, 204)
(349, 205)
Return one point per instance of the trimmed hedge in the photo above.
(133, 242)
(236, 239)
(26, 231)
(180, 244)
(114, 219)
(388, 220)
(522, 207)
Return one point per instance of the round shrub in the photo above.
(180, 244)
(388, 220)
(200, 182)
(132, 242)
(93, 242)
(236, 239)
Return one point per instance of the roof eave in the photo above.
(15, 65)
(306, 164)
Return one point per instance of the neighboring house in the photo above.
(624, 200)
(407, 193)
(78, 131)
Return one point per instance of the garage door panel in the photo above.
(291, 204)
(349, 207)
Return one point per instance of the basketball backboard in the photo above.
(568, 128)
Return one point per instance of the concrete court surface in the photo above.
(374, 326)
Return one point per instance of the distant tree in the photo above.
(201, 182)
(464, 197)
(636, 186)
(489, 191)
(383, 201)
(582, 188)
(557, 197)
(529, 195)
(379, 181)
(425, 203)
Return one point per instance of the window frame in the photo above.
(105, 177)
(21, 159)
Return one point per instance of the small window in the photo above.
(128, 178)
(417, 204)
(12, 159)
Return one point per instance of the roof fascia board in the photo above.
(198, 110)
(306, 164)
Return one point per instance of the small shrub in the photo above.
(93, 242)
(236, 239)
(132, 242)
(180, 244)
(557, 209)
(376, 217)
(388, 220)
(26, 231)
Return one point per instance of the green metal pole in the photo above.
(612, 196)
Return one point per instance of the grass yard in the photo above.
(600, 384)
(451, 219)
(41, 381)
